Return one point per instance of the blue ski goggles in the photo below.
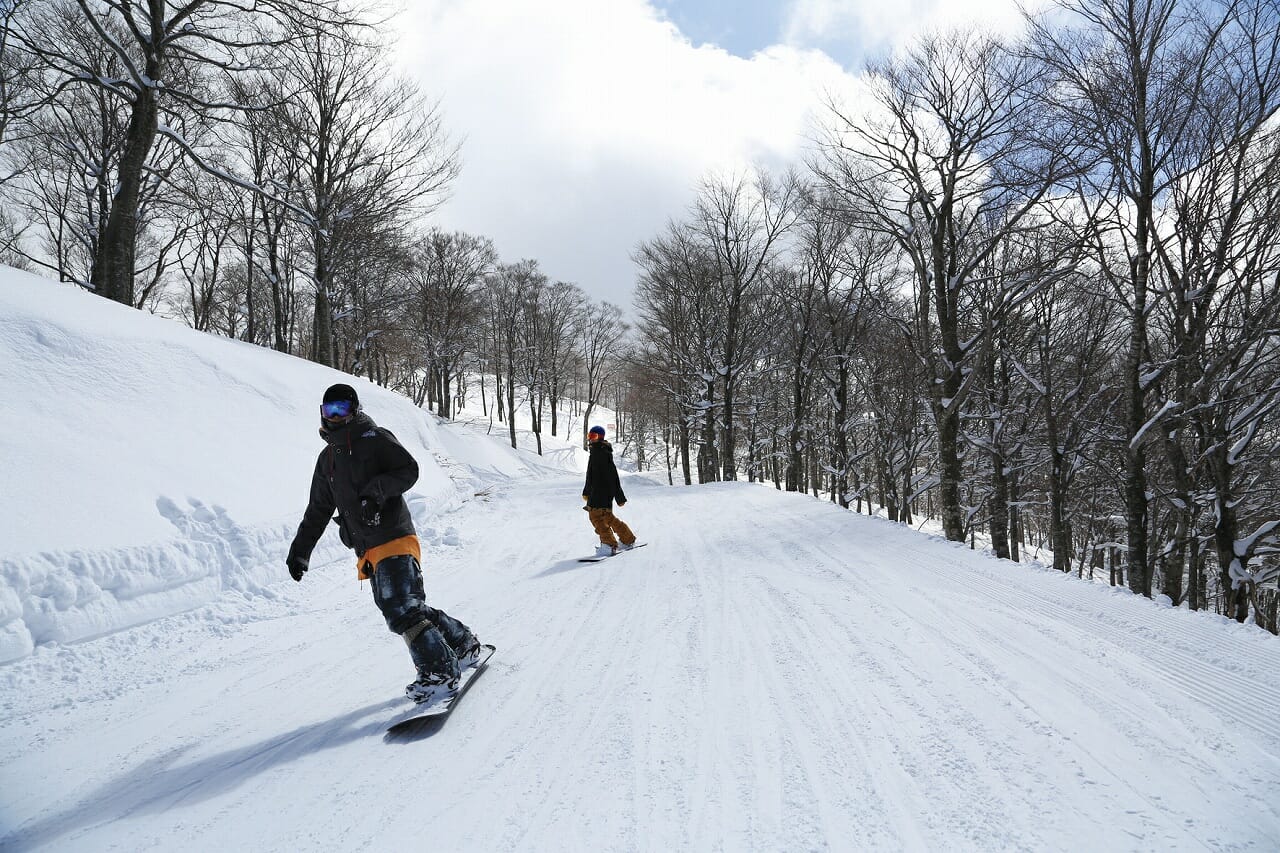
(337, 409)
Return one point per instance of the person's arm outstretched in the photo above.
(314, 520)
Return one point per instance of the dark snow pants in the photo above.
(435, 638)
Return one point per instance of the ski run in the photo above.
(770, 673)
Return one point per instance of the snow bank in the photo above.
(152, 468)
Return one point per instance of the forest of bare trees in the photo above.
(1028, 289)
(253, 169)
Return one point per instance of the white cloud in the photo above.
(877, 26)
(587, 123)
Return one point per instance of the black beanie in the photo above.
(341, 392)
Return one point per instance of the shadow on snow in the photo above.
(160, 783)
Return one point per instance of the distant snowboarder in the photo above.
(600, 491)
(363, 472)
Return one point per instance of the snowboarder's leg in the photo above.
(458, 636)
(623, 532)
(397, 590)
(600, 521)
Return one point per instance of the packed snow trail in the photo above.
(771, 673)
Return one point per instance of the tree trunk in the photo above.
(586, 415)
(949, 462)
(446, 401)
(1059, 533)
(1236, 593)
(666, 452)
(905, 512)
(511, 404)
(1015, 523)
(281, 306)
(322, 338)
(117, 245)
(1135, 475)
(840, 460)
(1193, 574)
(708, 464)
(999, 511)
(498, 387)
(535, 413)
(889, 493)
(727, 445)
(685, 441)
(251, 329)
(795, 456)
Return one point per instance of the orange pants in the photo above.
(607, 524)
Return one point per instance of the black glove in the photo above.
(370, 512)
(297, 566)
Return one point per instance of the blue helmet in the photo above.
(596, 430)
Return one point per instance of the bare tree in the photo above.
(853, 275)
(16, 73)
(895, 413)
(1216, 245)
(267, 159)
(740, 221)
(173, 57)
(1137, 80)
(205, 253)
(371, 150)
(507, 290)
(66, 151)
(600, 333)
(1067, 371)
(955, 158)
(536, 330)
(798, 346)
(564, 306)
(449, 273)
(676, 299)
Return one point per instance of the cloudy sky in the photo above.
(586, 124)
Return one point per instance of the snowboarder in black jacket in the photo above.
(600, 491)
(363, 473)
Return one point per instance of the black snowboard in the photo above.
(620, 551)
(438, 711)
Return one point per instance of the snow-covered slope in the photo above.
(150, 468)
(771, 673)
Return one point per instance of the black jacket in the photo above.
(362, 460)
(602, 487)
